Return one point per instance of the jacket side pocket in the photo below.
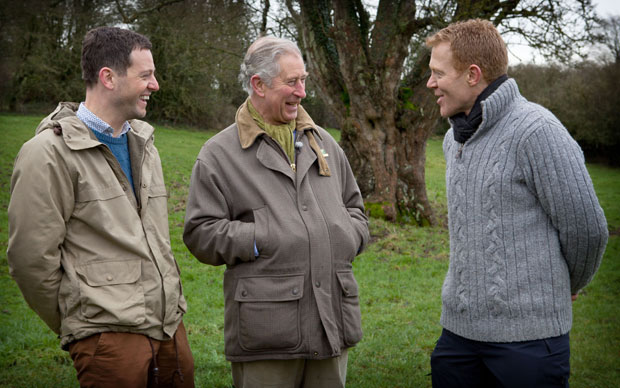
(269, 313)
(261, 230)
(350, 306)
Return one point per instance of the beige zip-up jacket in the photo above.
(88, 255)
(298, 298)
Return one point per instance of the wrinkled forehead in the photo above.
(292, 65)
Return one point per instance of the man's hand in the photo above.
(574, 297)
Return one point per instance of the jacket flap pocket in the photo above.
(270, 288)
(157, 191)
(347, 282)
(99, 193)
(108, 273)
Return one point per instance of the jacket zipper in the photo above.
(460, 151)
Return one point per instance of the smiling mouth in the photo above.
(145, 98)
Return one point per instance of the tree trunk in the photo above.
(359, 76)
(388, 155)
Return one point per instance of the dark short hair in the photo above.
(109, 47)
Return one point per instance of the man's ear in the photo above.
(258, 86)
(474, 75)
(107, 77)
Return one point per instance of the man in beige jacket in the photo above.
(274, 199)
(89, 244)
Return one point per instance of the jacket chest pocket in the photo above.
(101, 207)
(269, 312)
(110, 190)
(111, 293)
(154, 201)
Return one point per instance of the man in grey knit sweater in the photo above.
(526, 229)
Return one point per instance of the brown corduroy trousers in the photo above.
(127, 360)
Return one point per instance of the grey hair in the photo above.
(262, 59)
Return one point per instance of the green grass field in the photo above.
(400, 277)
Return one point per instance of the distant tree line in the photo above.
(368, 69)
(585, 97)
(197, 48)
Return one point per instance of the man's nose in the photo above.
(153, 84)
(300, 89)
(431, 83)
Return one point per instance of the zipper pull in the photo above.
(460, 151)
(294, 167)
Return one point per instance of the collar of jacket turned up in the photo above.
(249, 131)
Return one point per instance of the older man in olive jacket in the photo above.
(273, 197)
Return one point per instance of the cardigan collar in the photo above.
(495, 106)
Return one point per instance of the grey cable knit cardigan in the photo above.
(526, 228)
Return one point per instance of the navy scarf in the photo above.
(464, 126)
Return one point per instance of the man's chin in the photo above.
(290, 117)
(445, 113)
(140, 114)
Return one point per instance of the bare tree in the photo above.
(198, 47)
(372, 73)
(263, 25)
(137, 12)
(611, 36)
(40, 42)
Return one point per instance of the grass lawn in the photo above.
(400, 277)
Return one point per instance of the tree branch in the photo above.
(263, 26)
(137, 13)
(316, 29)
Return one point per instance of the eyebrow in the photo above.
(305, 75)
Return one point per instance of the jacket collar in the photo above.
(76, 134)
(249, 130)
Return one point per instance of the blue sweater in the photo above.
(119, 147)
(526, 228)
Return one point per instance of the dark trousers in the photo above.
(460, 362)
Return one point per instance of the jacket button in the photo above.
(109, 278)
(244, 293)
(144, 185)
(295, 291)
(124, 188)
(317, 284)
(316, 353)
(304, 208)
